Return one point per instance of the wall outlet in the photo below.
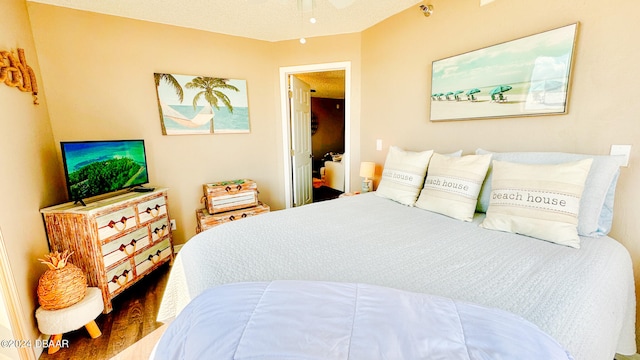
(174, 227)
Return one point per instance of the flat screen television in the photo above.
(95, 168)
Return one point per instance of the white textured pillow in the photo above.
(403, 175)
(453, 184)
(541, 201)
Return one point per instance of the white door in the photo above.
(300, 105)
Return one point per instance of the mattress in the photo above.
(584, 298)
(339, 321)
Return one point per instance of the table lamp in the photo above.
(367, 170)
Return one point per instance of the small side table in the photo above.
(57, 322)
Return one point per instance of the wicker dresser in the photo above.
(116, 241)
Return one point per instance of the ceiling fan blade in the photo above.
(341, 4)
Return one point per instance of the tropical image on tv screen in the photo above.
(99, 167)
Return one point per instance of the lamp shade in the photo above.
(367, 169)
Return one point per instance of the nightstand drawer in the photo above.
(124, 246)
(206, 220)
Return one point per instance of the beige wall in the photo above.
(28, 163)
(97, 73)
(602, 108)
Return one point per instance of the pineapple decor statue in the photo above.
(63, 284)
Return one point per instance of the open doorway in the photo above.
(330, 125)
(327, 132)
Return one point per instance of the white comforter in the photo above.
(584, 298)
(334, 321)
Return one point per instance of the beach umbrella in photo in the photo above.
(449, 94)
(457, 94)
(471, 92)
(496, 93)
(500, 89)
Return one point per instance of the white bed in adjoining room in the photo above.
(581, 296)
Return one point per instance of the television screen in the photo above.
(99, 167)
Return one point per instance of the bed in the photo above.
(581, 295)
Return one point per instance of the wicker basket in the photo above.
(61, 288)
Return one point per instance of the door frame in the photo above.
(10, 303)
(286, 123)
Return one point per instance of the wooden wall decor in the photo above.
(15, 72)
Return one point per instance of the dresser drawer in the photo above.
(119, 277)
(151, 209)
(116, 222)
(159, 229)
(124, 246)
(155, 255)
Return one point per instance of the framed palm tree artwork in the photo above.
(191, 104)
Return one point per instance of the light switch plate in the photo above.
(623, 151)
(379, 144)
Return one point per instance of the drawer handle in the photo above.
(118, 279)
(233, 217)
(155, 258)
(114, 224)
(123, 247)
(155, 209)
(229, 188)
(161, 231)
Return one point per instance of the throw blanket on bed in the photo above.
(334, 321)
(584, 298)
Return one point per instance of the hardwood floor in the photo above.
(133, 317)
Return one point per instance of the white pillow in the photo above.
(541, 201)
(403, 175)
(596, 204)
(453, 184)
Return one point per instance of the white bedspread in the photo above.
(584, 298)
(334, 321)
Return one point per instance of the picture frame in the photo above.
(190, 105)
(528, 76)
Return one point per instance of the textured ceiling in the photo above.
(270, 20)
(325, 84)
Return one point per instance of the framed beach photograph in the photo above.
(523, 77)
(191, 104)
